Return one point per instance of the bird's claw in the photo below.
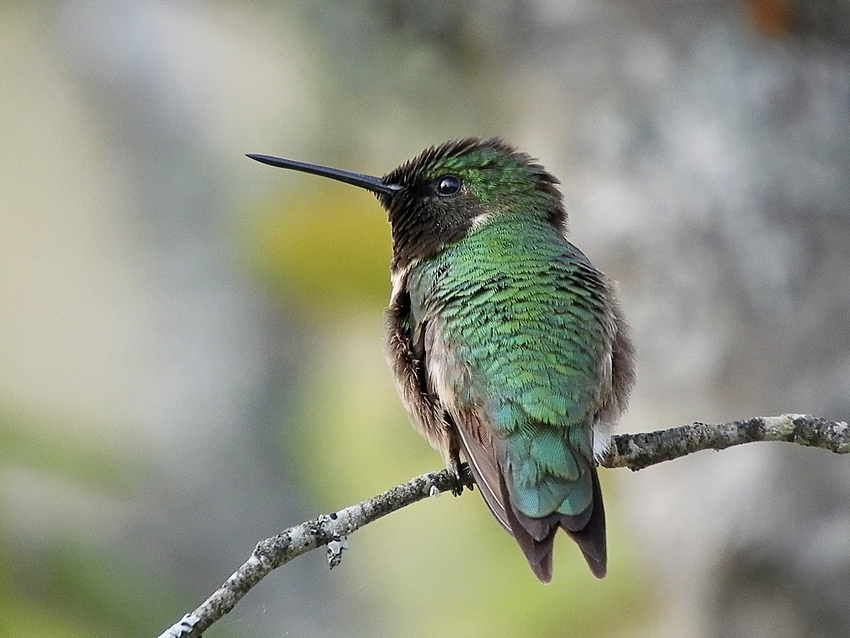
(460, 473)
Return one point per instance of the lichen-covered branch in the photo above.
(634, 451)
(327, 529)
(637, 451)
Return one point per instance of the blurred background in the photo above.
(191, 351)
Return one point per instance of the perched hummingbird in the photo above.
(508, 347)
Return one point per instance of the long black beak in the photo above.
(368, 182)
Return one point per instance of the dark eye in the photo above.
(447, 185)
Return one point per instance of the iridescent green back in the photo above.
(524, 310)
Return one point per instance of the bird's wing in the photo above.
(477, 446)
(406, 353)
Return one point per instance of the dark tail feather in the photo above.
(543, 569)
(536, 543)
(591, 537)
(536, 536)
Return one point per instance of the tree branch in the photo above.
(637, 451)
(634, 451)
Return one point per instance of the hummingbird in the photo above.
(509, 349)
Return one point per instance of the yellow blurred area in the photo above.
(323, 245)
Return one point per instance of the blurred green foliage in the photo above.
(63, 451)
(62, 584)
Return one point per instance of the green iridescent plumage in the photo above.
(529, 325)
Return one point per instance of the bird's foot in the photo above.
(460, 471)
